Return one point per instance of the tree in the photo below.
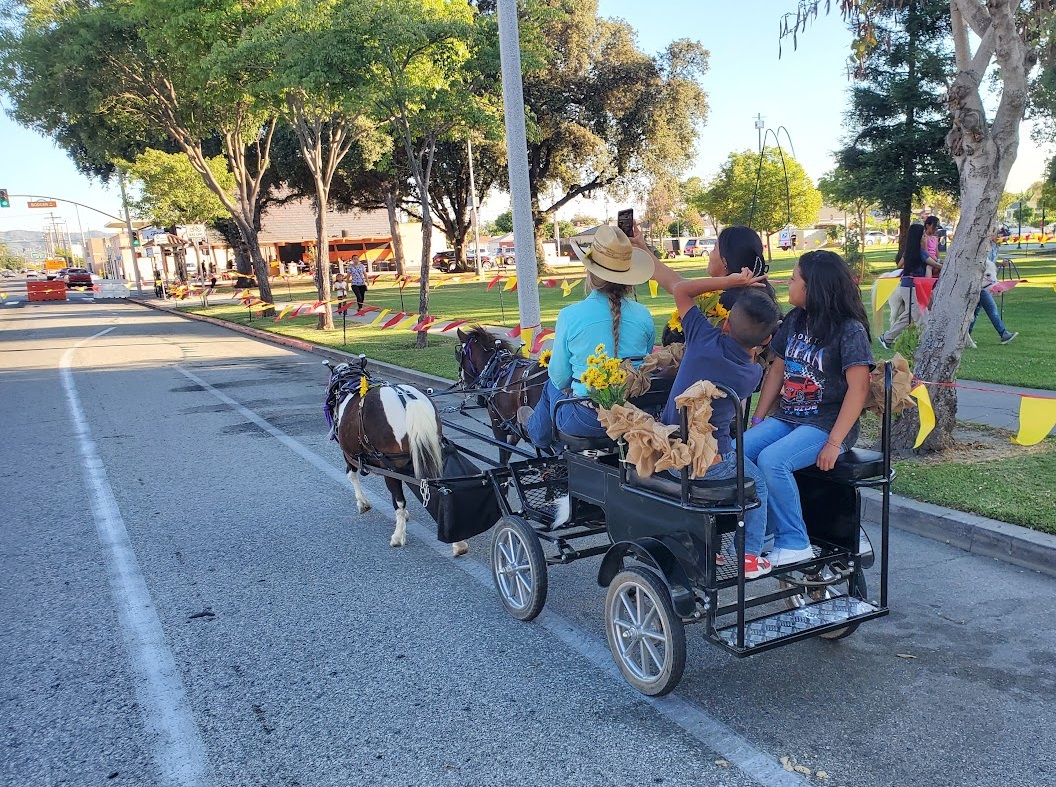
(843, 189)
(1010, 35)
(450, 186)
(310, 58)
(503, 224)
(765, 195)
(171, 192)
(416, 56)
(939, 203)
(601, 113)
(897, 118)
(153, 65)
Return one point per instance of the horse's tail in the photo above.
(423, 435)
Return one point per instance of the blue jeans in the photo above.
(778, 449)
(754, 519)
(987, 304)
(573, 419)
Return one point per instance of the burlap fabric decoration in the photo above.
(901, 385)
(651, 447)
(664, 362)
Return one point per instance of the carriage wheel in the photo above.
(646, 637)
(855, 587)
(518, 567)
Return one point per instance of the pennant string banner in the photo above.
(927, 413)
(1037, 417)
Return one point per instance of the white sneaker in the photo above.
(782, 556)
(970, 342)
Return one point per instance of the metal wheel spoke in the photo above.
(627, 606)
(642, 662)
(521, 582)
(655, 636)
(654, 654)
(650, 616)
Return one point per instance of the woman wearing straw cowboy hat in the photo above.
(606, 316)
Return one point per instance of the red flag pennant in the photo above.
(453, 324)
(95, 287)
(537, 345)
(373, 278)
(515, 332)
(1004, 286)
(396, 318)
(344, 309)
(423, 325)
(549, 282)
(493, 282)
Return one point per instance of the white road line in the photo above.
(711, 732)
(176, 741)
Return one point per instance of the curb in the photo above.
(978, 535)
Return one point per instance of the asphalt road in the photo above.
(189, 597)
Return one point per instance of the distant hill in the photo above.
(25, 242)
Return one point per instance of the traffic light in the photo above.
(5, 200)
(135, 239)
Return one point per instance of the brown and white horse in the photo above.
(508, 380)
(394, 427)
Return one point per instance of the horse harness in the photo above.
(346, 380)
(500, 373)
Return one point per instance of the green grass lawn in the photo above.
(1020, 490)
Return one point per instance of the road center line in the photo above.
(711, 732)
(175, 739)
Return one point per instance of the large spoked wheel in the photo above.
(518, 567)
(855, 587)
(647, 639)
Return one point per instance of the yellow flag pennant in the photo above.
(409, 320)
(925, 411)
(381, 316)
(526, 337)
(510, 284)
(566, 288)
(882, 290)
(654, 288)
(1037, 417)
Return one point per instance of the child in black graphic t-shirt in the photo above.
(819, 381)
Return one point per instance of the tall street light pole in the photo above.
(517, 156)
(128, 226)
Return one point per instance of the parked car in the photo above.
(76, 277)
(445, 262)
(7, 273)
(875, 238)
(699, 247)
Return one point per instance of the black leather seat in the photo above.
(701, 492)
(857, 464)
(573, 443)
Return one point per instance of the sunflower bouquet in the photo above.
(709, 306)
(606, 382)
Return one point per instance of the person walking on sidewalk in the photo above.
(986, 300)
(914, 264)
(159, 286)
(357, 278)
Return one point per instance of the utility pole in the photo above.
(473, 206)
(759, 126)
(517, 159)
(80, 229)
(128, 226)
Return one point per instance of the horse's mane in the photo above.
(487, 339)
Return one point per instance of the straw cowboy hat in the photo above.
(613, 258)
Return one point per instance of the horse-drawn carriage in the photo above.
(672, 549)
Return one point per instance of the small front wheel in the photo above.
(518, 567)
(646, 637)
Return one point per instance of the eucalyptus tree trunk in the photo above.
(322, 265)
(984, 153)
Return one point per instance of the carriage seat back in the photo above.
(573, 443)
(702, 492)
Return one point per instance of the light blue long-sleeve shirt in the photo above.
(582, 326)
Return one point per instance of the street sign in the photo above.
(195, 232)
(148, 233)
(43, 203)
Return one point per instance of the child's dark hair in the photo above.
(753, 319)
(833, 298)
(931, 221)
(740, 247)
(913, 256)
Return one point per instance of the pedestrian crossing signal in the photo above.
(5, 200)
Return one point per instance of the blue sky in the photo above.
(804, 91)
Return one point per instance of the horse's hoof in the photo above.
(459, 548)
(397, 541)
(363, 507)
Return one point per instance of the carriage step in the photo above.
(799, 623)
